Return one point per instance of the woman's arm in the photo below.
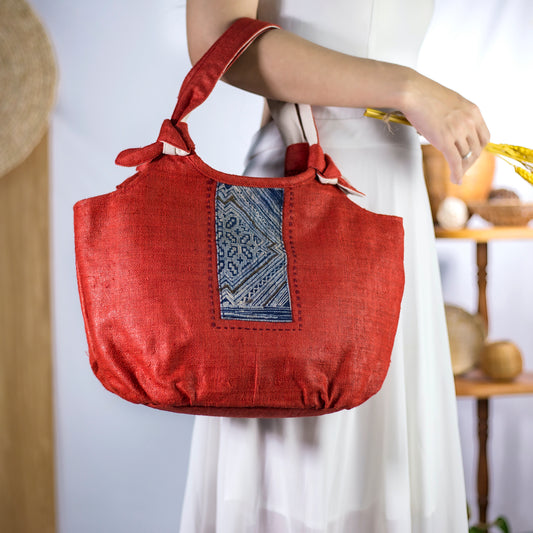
(284, 66)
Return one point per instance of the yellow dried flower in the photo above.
(528, 176)
(524, 156)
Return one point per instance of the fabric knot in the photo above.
(173, 139)
(327, 171)
(176, 136)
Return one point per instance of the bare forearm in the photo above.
(286, 67)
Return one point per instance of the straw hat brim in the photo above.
(27, 82)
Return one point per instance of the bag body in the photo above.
(209, 293)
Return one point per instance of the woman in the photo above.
(394, 463)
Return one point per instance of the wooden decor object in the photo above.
(467, 334)
(501, 360)
(436, 174)
(475, 185)
(26, 424)
(477, 182)
(503, 212)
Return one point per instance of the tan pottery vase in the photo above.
(475, 186)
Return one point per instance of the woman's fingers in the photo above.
(466, 154)
(469, 147)
(455, 162)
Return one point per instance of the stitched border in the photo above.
(294, 278)
(211, 191)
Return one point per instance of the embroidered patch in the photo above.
(251, 257)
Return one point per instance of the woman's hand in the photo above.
(448, 121)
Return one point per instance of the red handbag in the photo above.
(216, 294)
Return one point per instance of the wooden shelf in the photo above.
(487, 234)
(476, 384)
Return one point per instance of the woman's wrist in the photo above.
(406, 89)
(388, 85)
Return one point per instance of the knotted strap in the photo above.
(174, 138)
(298, 130)
(295, 121)
(203, 77)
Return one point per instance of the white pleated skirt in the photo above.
(391, 465)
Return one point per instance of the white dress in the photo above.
(394, 463)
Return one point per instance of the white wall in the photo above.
(121, 467)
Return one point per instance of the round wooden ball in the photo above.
(501, 360)
(452, 213)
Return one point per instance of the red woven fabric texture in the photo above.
(147, 274)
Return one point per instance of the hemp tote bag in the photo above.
(216, 294)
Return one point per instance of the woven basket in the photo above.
(504, 212)
(27, 82)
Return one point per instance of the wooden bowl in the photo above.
(467, 334)
(505, 212)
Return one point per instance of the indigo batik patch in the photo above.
(251, 256)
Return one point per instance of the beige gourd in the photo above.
(501, 360)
